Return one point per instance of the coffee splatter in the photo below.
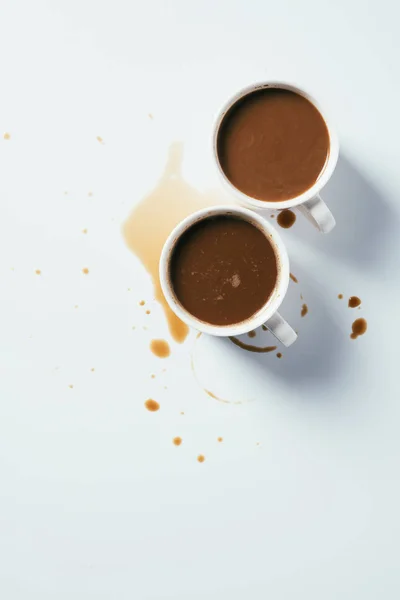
(142, 303)
(153, 376)
(250, 348)
(92, 369)
(264, 327)
(201, 458)
(148, 312)
(359, 327)
(293, 278)
(252, 334)
(286, 218)
(85, 271)
(71, 387)
(38, 272)
(172, 200)
(84, 230)
(340, 296)
(220, 439)
(177, 441)
(7, 136)
(152, 405)
(354, 301)
(279, 354)
(304, 310)
(100, 139)
(160, 348)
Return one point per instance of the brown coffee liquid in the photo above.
(223, 270)
(354, 301)
(273, 144)
(359, 327)
(250, 347)
(286, 219)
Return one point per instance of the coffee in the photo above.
(273, 144)
(223, 269)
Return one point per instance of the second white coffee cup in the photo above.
(267, 314)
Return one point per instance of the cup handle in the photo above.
(317, 212)
(281, 330)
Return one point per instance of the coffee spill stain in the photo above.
(142, 303)
(85, 271)
(272, 216)
(201, 458)
(279, 354)
(359, 327)
(38, 272)
(286, 219)
(147, 312)
(354, 301)
(220, 439)
(100, 139)
(7, 136)
(293, 278)
(304, 310)
(250, 348)
(152, 405)
(252, 334)
(172, 200)
(160, 348)
(177, 441)
(340, 296)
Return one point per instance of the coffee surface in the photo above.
(223, 270)
(273, 144)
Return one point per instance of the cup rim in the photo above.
(326, 172)
(273, 302)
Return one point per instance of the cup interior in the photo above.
(262, 314)
(324, 174)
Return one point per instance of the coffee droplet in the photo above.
(201, 458)
(359, 327)
(252, 334)
(172, 200)
(304, 310)
(7, 136)
(264, 327)
(220, 439)
(142, 303)
(340, 296)
(250, 348)
(177, 441)
(279, 354)
(160, 348)
(293, 278)
(85, 271)
(152, 405)
(38, 272)
(354, 302)
(286, 219)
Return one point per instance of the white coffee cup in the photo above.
(267, 315)
(309, 202)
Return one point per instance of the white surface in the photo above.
(95, 501)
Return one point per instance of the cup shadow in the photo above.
(365, 222)
(317, 362)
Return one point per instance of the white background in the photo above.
(95, 500)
